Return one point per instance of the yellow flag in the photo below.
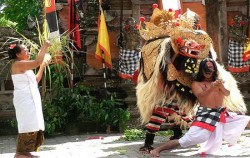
(246, 55)
(103, 47)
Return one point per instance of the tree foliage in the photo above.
(18, 11)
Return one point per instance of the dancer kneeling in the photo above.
(213, 123)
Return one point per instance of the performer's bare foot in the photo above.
(146, 149)
(154, 153)
(25, 155)
(17, 155)
(248, 125)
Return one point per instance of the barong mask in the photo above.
(160, 26)
(190, 43)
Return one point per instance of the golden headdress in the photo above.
(161, 24)
(194, 17)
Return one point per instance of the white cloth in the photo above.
(27, 102)
(211, 142)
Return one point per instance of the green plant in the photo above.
(134, 134)
(18, 11)
(165, 133)
(89, 109)
(112, 112)
(66, 106)
(6, 23)
(138, 134)
(13, 122)
(54, 116)
(59, 110)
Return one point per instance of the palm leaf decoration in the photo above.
(60, 51)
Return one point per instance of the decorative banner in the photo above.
(175, 5)
(51, 18)
(73, 24)
(235, 53)
(51, 28)
(238, 44)
(128, 63)
(103, 46)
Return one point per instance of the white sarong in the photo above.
(27, 102)
(211, 142)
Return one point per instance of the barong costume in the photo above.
(166, 73)
(170, 61)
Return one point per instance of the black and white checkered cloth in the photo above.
(235, 53)
(208, 115)
(128, 61)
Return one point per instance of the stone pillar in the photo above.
(136, 10)
(223, 32)
(212, 23)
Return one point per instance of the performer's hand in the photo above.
(215, 84)
(46, 44)
(46, 60)
(221, 83)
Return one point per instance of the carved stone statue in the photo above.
(131, 35)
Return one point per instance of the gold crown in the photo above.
(161, 24)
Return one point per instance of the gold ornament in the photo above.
(181, 77)
(149, 54)
(161, 24)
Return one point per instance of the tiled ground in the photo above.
(89, 146)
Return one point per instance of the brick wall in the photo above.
(198, 8)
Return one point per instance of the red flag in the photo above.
(51, 18)
(103, 47)
(73, 24)
(175, 5)
(52, 27)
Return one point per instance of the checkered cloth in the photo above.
(209, 116)
(128, 62)
(235, 53)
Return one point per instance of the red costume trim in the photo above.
(241, 69)
(204, 125)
